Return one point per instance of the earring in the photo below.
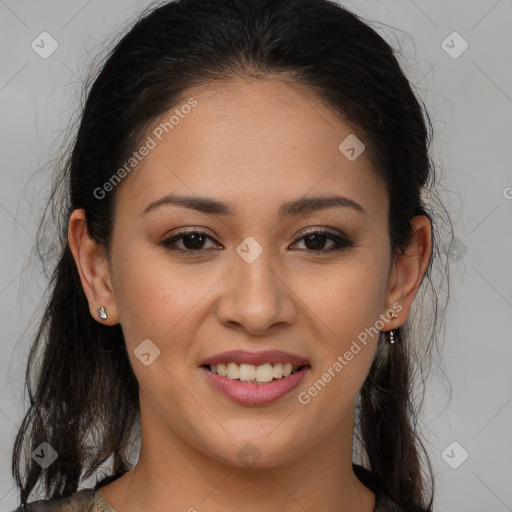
(102, 314)
(393, 331)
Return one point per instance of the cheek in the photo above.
(346, 298)
(152, 295)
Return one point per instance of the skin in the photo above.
(254, 144)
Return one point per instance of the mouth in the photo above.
(255, 378)
(252, 374)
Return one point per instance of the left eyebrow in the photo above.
(296, 207)
(306, 204)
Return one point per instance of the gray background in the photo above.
(470, 101)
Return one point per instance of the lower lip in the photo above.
(255, 394)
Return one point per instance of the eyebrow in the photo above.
(299, 206)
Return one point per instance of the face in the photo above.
(254, 276)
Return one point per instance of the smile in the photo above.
(254, 378)
(261, 374)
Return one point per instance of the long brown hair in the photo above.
(83, 394)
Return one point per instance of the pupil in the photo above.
(318, 241)
(197, 241)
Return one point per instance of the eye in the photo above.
(193, 241)
(315, 241)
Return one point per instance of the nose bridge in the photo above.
(256, 297)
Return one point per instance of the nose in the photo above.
(256, 297)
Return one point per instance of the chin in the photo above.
(258, 451)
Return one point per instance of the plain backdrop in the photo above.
(465, 80)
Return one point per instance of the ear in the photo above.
(91, 261)
(408, 269)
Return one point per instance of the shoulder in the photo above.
(86, 500)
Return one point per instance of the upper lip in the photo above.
(255, 358)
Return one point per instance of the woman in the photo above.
(244, 236)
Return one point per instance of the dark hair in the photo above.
(85, 399)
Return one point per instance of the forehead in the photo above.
(253, 141)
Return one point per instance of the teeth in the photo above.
(247, 372)
(264, 373)
(232, 371)
(278, 370)
(250, 373)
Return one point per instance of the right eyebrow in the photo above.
(201, 204)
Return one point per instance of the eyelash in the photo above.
(342, 242)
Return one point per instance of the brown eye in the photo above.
(315, 241)
(192, 241)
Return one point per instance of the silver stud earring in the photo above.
(392, 332)
(102, 314)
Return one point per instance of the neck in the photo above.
(172, 472)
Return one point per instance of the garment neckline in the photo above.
(364, 475)
(103, 500)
